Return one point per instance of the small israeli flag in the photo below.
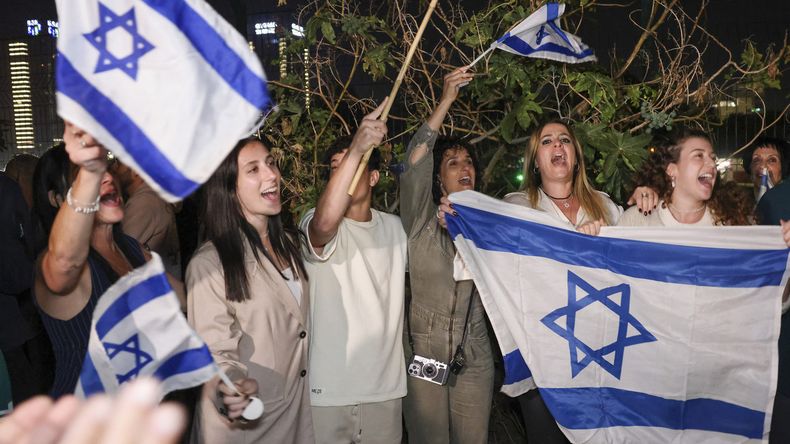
(765, 184)
(166, 85)
(642, 334)
(540, 36)
(138, 330)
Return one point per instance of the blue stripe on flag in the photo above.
(215, 50)
(145, 154)
(552, 11)
(184, 362)
(516, 369)
(712, 267)
(523, 48)
(154, 287)
(89, 377)
(593, 407)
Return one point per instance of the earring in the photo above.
(673, 181)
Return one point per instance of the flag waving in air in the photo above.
(540, 36)
(138, 330)
(166, 85)
(638, 335)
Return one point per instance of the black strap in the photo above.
(466, 321)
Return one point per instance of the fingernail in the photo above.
(645, 213)
(650, 212)
(455, 213)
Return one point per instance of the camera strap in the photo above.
(460, 348)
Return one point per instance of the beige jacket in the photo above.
(265, 338)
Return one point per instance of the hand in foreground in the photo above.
(84, 151)
(645, 198)
(371, 131)
(133, 417)
(591, 228)
(785, 231)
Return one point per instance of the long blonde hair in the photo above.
(589, 199)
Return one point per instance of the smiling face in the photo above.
(556, 153)
(258, 182)
(695, 170)
(766, 157)
(457, 170)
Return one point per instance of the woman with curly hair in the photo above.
(683, 172)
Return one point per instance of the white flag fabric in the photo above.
(540, 36)
(167, 85)
(638, 335)
(138, 330)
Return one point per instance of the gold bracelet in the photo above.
(88, 209)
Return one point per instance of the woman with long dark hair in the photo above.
(248, 300)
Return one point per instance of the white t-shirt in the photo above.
(356, 297)
(661, 217)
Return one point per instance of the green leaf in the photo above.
(508, 126)
(329, 33)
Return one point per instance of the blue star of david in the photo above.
(131, 345)
(108, 21)
(604, 296)
(541, 33)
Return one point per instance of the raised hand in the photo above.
(371, 131)
(84, 150)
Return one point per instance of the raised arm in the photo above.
(334, 201)
(452, 84)
(69, 240)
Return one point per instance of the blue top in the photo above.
(70, 338)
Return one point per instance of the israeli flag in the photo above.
(765, 184)
(166, 85)
(540, 36)
(638, 335)
(138, 330)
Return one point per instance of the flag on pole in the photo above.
(540, 36)
(138, 330)
(637, 335)
(166, 85)
(765, 184)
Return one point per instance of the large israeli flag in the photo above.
(638, 335)
(541, 36)
(167, 85)
(138, 330)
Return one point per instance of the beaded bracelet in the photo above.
(84, 210)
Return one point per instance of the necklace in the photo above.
(566, 201)
(696, 210)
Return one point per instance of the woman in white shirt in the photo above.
(683, 172)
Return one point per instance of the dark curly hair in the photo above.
(444, 144)
(728, 203)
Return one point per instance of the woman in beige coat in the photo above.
(247, 298)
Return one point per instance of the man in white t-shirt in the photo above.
(356, 263)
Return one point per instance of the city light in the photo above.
(265, 28)
(53, 28)
(33, 27)
(21, 97)
(297, 30)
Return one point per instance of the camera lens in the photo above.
(429, 370)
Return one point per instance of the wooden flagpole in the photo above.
(364, 162)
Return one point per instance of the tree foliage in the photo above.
(658, 81)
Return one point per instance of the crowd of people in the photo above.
(329, 323)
